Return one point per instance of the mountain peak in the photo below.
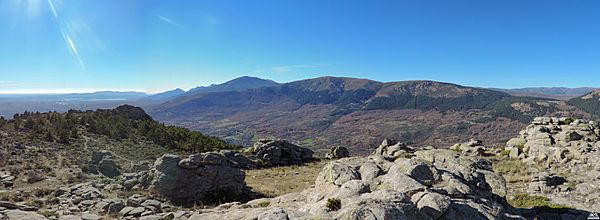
(249, 80)
(237, 84)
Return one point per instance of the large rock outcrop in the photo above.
(391, 149)
(206, 177)
(431, 184)
(6, 179)
(556, 140)
(471, 148)
(280, 153)
(337, 153)
(104, 163)
(562, 155)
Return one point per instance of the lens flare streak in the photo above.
(64, 31)
(53, 9)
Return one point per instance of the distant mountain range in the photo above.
(94, 96)
(17, 103)
(358, 113)
(560, 93)
(11, 104)
(338, 111)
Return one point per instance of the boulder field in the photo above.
(396, 181)
(563, 155)
(429, 184)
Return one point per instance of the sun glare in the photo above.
(51, 9)
(33, 8)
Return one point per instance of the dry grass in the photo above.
(277, 181)
(513, 170)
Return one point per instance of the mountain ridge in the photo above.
(589, 102)
(560, 93)
(319, 111)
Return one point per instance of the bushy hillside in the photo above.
(589, 103)
(122, 123)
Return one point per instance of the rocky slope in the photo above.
(121, 191)
(432, 185)
(396, 181)
(358, 113)
(561, 154)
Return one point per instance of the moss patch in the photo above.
(523, 200)
(264, 204)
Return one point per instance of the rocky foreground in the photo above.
(395, 182)
(563, 155)
(158, 191)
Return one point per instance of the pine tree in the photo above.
(17, 124)
(29, 123)
(74, 133)
(49, 136)
(2, 121)
(63, 137)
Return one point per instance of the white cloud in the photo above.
(10, 83)
(171, 22)
(293, 68)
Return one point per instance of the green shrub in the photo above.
(35, 202)
(264, 204)
(504, 153)
(89, 168)
(404, 155)
(523, 200)
(572, 185)
(333, 204)
(569, 121)
(48, 214)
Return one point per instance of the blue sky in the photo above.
(155, 45)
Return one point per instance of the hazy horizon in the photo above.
(81, 91)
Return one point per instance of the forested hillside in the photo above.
(589, 103)
(122, 123)
(353, 112)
